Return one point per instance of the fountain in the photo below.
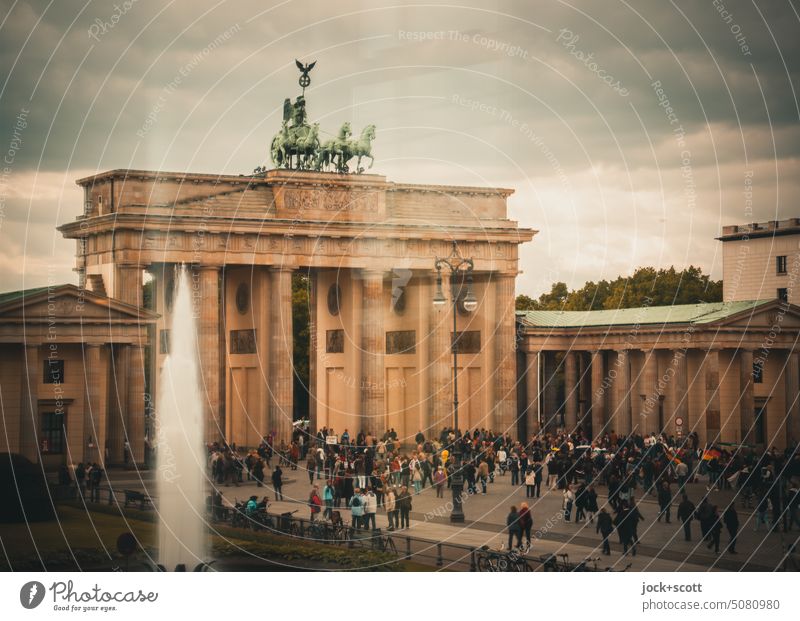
(179, 440)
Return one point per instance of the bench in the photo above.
(132, 496)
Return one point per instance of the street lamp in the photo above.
(456, 264)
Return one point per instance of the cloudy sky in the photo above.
(564, 101)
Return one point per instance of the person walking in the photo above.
(686, 511)
(514, 528)
(258, 472)
(440, 478)
(731, 520)
(664, 501)
(569, 500)
(537, 478)
(526, 523)
(277, 482)
(591, 503)
(605, 526)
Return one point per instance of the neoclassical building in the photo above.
(380, 350)
(727, 371)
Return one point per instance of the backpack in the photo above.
(355, 502)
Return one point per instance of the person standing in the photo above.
(685, 514)
(514, 528)
(277, 482)
(370, 509)
(258, 472)
(389, 502)
(356, 510)
(591, 503)
(328, 494)
(440, 478)
(404, 502)
(715, 530)
(731, 519)
(605, 527)
(537, 479)
(530, 483)
(314, 502)
(525, 523)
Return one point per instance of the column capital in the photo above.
(281, 268)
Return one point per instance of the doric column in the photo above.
(128, 284)
(746, 399)
(680, 395)
(135, 416)
(505, 357)
(281, 367)
(424, 337)
(712, 413)
(440, 356)
(312, 354)
(118, 405)
(621, 422)
(792, 380)
(648, 413)
(29, 423)
(533, 377)
(549, 406)
(571, 390)
(95, 413)
(206, 297)
(262, 309)
(598, 394)
(373, 384)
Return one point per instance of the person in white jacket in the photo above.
(370, 509)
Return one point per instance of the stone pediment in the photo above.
(69, 304)
(766, 316)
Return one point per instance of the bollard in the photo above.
(408, 547)
(439, 562)
(472, 565)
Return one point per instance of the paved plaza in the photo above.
(662, 546)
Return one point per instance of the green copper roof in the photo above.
(643, 315)
(10, 296)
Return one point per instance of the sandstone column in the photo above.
(440, 356)
(31, 377)
(96, 405)
(118, 405)
(680, 391)
(424, 337)
(648, 414)
(262, 309)
(505, 358)
(549, 406)
(373, 383)
(792, 380)
(312, 354)
(598, 394)
(746, 399)
(571, 390)
(135, 415)
(533, 378)
(622, 389)
(206, 295)
(712, 414)
(281, 367)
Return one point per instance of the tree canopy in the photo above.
(647, 286)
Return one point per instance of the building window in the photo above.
(334, 342)
(53, 371)
(163, 340)
(758, 372)
(51, 440)
(242, 298)
(780, 264)
(783, 294)
(243, 341)
(469, 342)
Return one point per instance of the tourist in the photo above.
(328, 494)
(80, 479)
(439, 479)
(514, 528)
(314, 502)
(416, 478)
(537, 478)
(664, 501)
(356, 505)
(404, 505)
(715, 530)
(483, 475)
(686, 512)
(277, 482)
(591, 503)
(731, 520)
(390, 504)
(370, 509)
(530, 483)
(311, 465)
(568, 501)
(258, 472)
(605, 527)
(526, 522)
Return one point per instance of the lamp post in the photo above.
(456, 264)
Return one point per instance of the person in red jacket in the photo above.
(314, 502)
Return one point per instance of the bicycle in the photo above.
(384, 543)
(555, 562)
